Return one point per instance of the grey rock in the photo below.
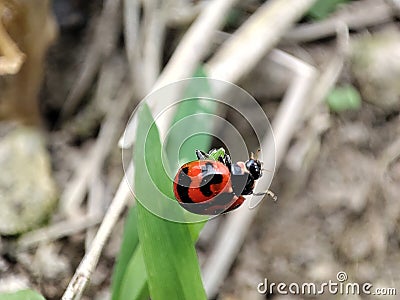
(27, 191)
(376, 67)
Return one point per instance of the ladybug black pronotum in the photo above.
(209, 187)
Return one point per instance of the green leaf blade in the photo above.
(193, 108)
(22, 295)
(134, 285)
(168, 251)
(130, 241)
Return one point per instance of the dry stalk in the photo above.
(153, 42)
(131, 37)
(97, 204)
(56, 231)
(104, 42)
(356, 17)
(259, 34)
(76, 189)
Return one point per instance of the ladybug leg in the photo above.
(269, 193)
(228, 161)
(202, 155)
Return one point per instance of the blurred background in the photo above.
(326, 73)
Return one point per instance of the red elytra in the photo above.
(205, 187)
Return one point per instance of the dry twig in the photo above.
(239, 54)
(330, 74)
(56, 231)
(76, 189)
(153, 42)
(89, 262)
(131, 37)
(104, 42)
(97, 203)
(360, 15)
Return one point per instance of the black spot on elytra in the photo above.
(214, 206)
(209, 180)
(183, 184)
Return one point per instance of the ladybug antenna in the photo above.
(254, 156)
(269, 193)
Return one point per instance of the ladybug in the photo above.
(213, 185)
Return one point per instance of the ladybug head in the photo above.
(254, 168)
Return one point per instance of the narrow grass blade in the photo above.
(134, 285)
(193, 108)
(130, 241)
(167, 247)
